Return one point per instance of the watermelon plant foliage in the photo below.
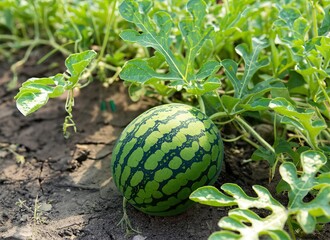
(250, 225)
(258, 89)
(242, 62)
(156, 33)
(35, 92)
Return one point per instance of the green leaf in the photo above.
(77, 63)
(157, 37)
(207, 69)
(305, 122)
(242, 219)
(323, 49)
(325, 26)
(224, 235)
(35, 93)
(211, 196)
(138, 71)
(252, 65)
(230, 103)
(155, 31)
(307, 212)
(292, 29)
(244, 222)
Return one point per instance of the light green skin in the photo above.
(165, 154)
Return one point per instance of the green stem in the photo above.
(274, 54)
(201, 103)
(314, 19)
(225, 2)
(110, 20)
(218, 115)
(74, 26)
(321, 85)
(28, 42)
(247, 127)
(291, 230)
(125, 222)
(232, 139)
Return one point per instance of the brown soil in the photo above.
(70, 180)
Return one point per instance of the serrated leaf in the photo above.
(236, 221)
(304, 121)
(155, 32)
(244, 223)
(252, 65)
(137, 12)
(323, 49)
(291, 27)
(300, 186)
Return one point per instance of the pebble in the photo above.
(139, 237)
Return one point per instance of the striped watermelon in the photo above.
(165, 154)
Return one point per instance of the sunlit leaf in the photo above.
(305, 122)
(243, 220)
(35, 93)
(155, 32)
(300, 186)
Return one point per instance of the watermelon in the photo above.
(165, 154)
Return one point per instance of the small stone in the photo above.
(46, 207)
(24, 233)
(24, 218)
(139, 237)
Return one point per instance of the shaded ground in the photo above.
(69, 180)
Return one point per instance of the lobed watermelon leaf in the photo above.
(305, 122)
(252, 65)
(242, 219)
(244, 222)
(307, 212)
(247, 98)
(156, 32)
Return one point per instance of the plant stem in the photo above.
(201, 103)
(247, 127)
(314, 19)
(74, 26)
(125, 222)
(218, 115)
(291, 230)
(107, 32)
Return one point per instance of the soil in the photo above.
(68, 181)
